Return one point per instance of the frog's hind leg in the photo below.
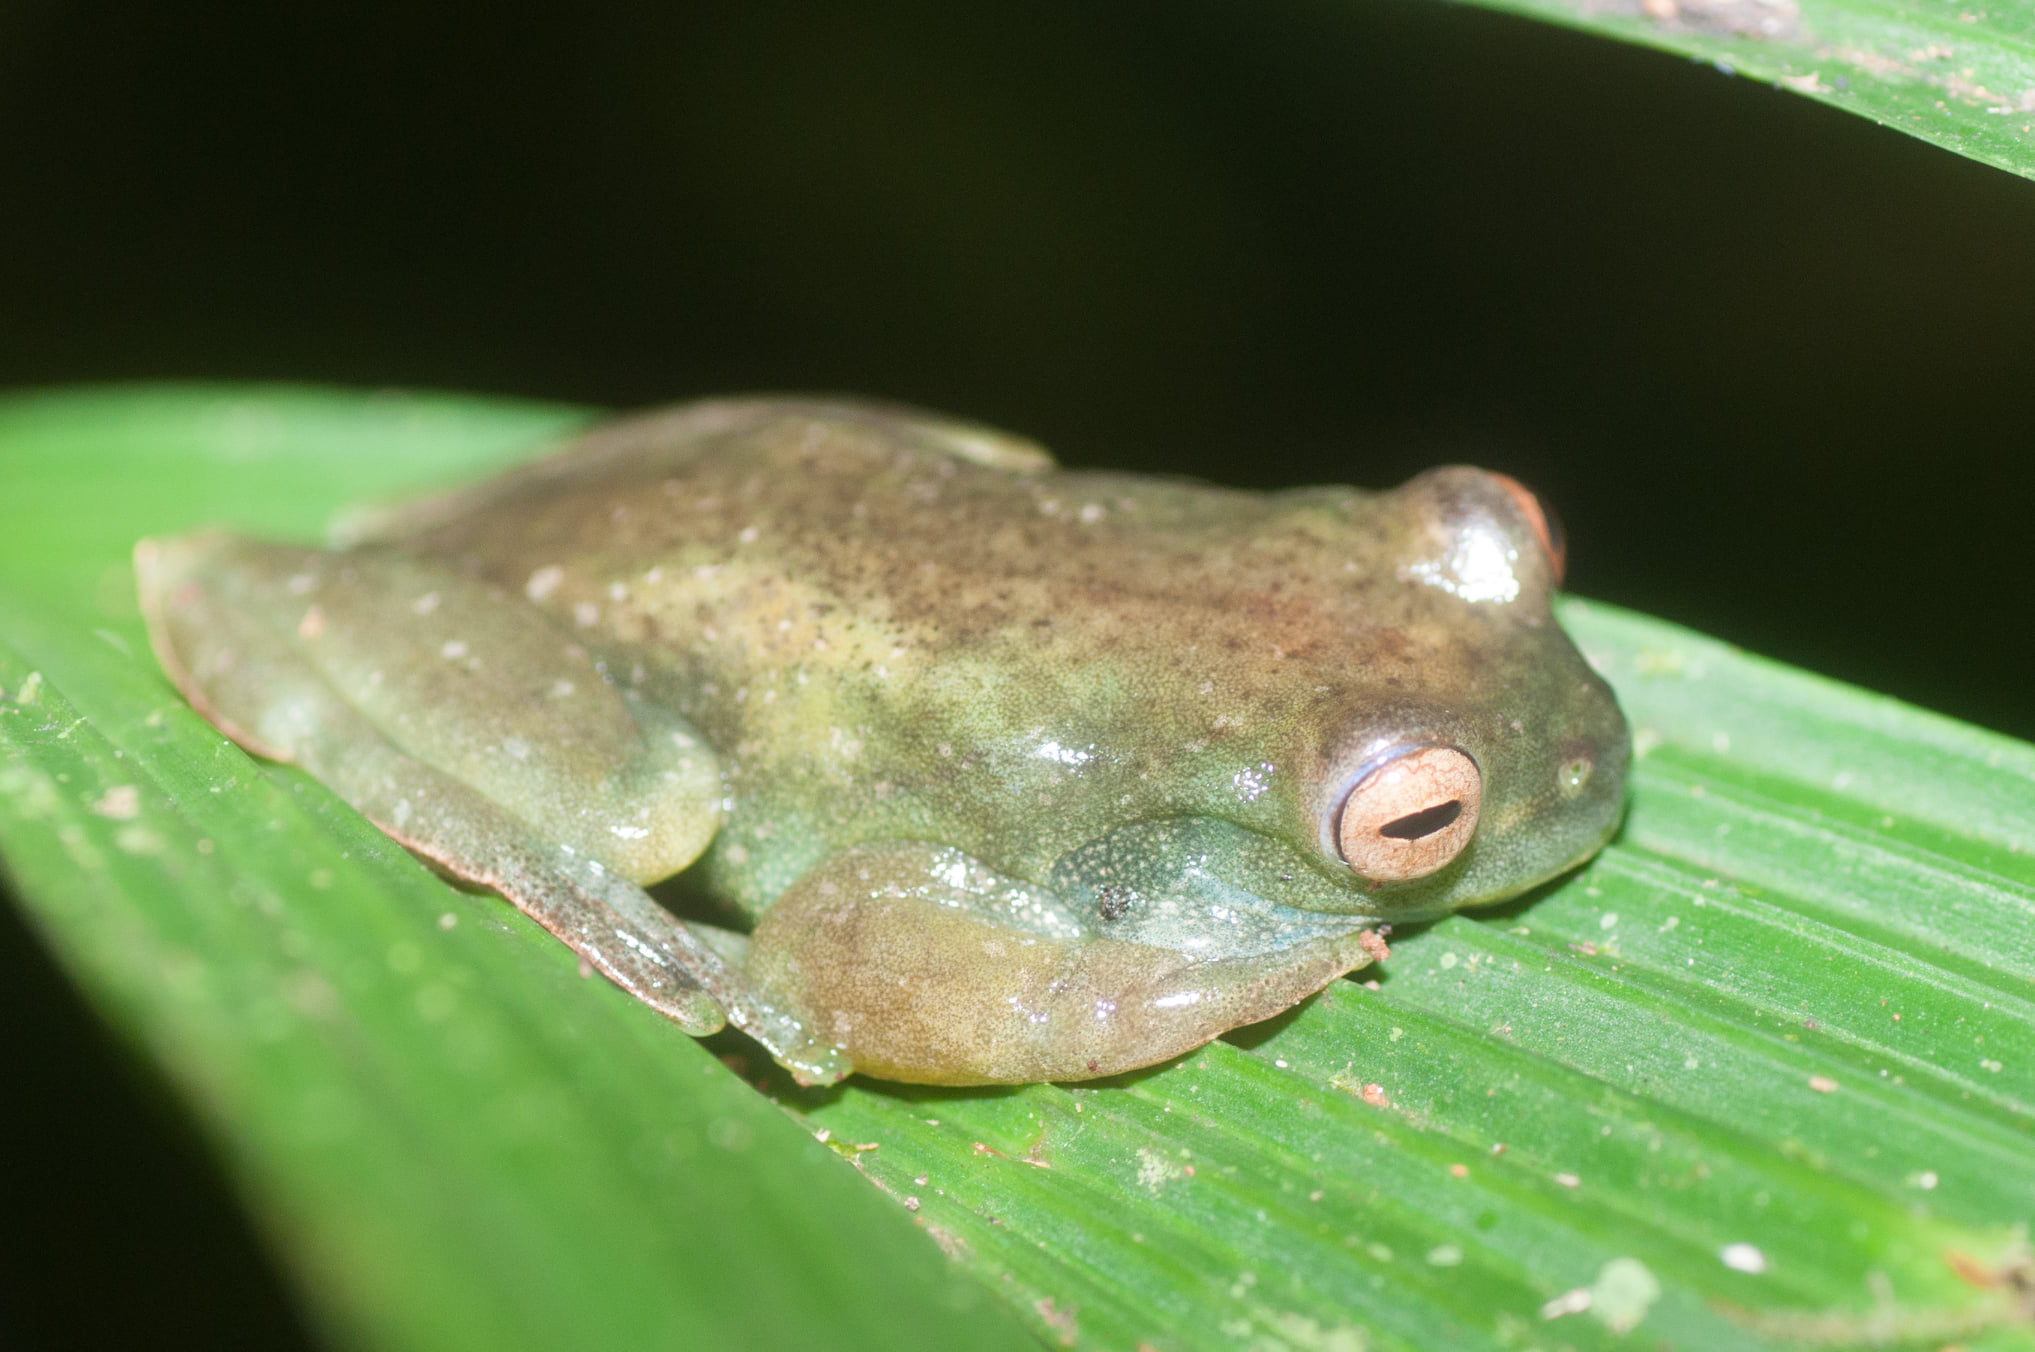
(463, 724)
(920, 964)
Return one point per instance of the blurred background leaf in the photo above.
(1957, 76)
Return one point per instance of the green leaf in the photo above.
(1760, 1076)
(1961, 76)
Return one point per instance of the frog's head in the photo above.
(1504, 762)
(1444, 745)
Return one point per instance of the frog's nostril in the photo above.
(1425, 822)
(1411, 815)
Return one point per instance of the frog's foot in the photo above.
(461, 722)
(919, 964)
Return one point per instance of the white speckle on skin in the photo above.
(543, 582)
(562, 688)
(301, 584)
(747, 535)
(453, 650)
(1053, 751)
(1251, 782)
(424, 604)
(586, 614)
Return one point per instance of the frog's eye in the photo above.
(1546, 526)
(1410, 815)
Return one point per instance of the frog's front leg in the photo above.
(920, 964)
(464, 724)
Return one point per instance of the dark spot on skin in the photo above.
(1425, 822)
(1112, 901)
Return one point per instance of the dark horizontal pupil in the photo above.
(1425, 822)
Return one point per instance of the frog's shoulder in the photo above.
(665, 439)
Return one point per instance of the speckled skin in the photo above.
(1024, 773)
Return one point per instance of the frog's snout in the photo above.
(1412, 814)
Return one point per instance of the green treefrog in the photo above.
(1017, 773)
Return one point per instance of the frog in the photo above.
(993, 771)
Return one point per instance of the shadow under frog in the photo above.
(1018, 773)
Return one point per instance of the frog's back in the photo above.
(773, 524)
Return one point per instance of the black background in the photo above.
(1774, 365)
